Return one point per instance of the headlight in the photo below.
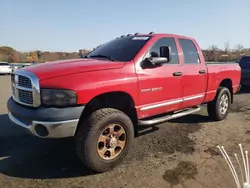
(58, 97)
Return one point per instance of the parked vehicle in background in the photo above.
(244, 63)
(103, 98)
(5, 68)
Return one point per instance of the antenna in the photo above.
(152, 33)
(137, 33)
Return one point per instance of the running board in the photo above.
(168, 117)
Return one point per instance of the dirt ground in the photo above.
(180, 153)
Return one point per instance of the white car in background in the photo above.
(5, 68)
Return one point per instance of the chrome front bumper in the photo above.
(43, 129)
(45, 122)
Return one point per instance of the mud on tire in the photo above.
(218, 108)
(91, 143)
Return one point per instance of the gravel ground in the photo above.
(180, 153)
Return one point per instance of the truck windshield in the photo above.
(121, 49)
(245, 62)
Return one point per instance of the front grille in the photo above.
(24, 82)
(23, 89)
(25, 97)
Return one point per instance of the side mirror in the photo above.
(165, 56)
(165, 52)
(157, 60)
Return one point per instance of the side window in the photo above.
(190, 53)
(155, 50)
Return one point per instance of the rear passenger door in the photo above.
(194, 74)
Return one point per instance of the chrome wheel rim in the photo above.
(224, 102)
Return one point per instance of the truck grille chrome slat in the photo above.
(25, 88)
(26, 97)
(24, 82)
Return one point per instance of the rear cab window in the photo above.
(245, 62)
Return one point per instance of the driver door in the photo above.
(160, 88)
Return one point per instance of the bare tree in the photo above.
(212, 53)
(226, 47)
(239, 47)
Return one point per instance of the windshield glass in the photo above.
(245, 62)
(121, 49)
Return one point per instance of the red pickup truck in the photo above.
(131, 81)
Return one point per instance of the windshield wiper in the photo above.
(103, 56)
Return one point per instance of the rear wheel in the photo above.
(104, 138)
(219, 107)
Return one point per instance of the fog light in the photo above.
(41, 130)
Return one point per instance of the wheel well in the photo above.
(228, 84)
(119, 100)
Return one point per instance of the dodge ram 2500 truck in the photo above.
(103, 98)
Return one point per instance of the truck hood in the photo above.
(72, 66)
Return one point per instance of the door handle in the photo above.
(177, 73)
(202, 71)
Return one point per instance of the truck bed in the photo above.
(217, 71)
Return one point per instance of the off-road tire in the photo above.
(213, 107)
(91, 128)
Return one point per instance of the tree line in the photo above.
(9, 54)
(213, 53)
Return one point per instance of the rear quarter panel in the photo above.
(219, 72)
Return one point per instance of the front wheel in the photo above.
(104, 138)
(219, 107)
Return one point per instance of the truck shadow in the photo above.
(189, 119)
(192, 119)
(25, 156)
